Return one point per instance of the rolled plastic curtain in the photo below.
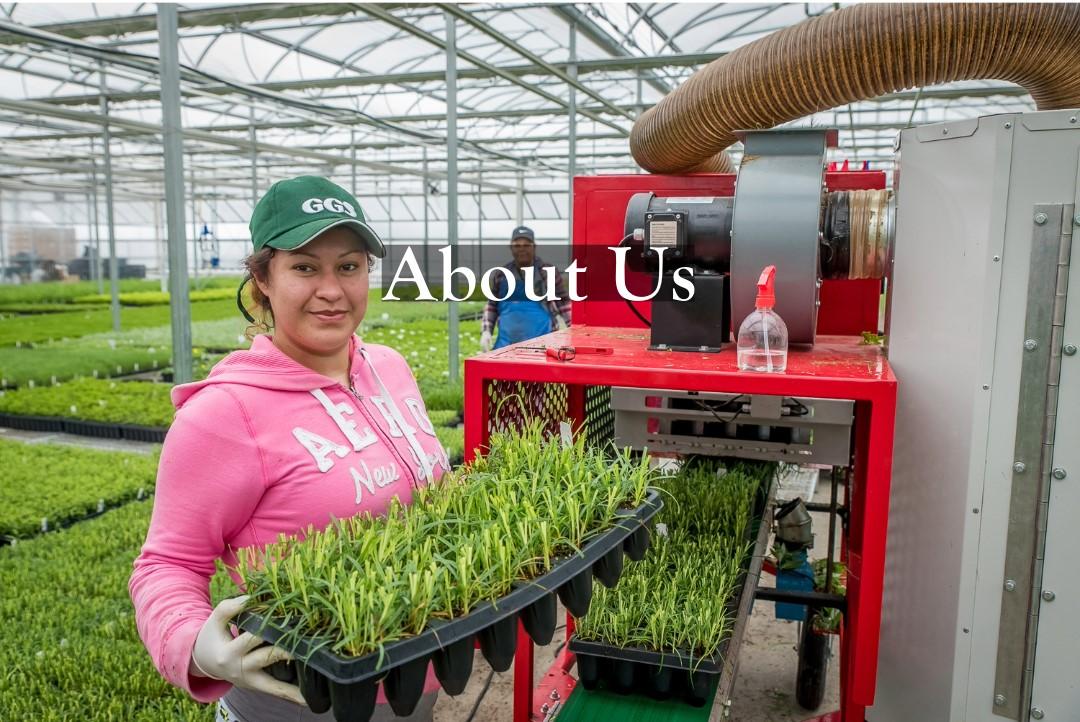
(853, 54)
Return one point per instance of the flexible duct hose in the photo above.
(853, 54)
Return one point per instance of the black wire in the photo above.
(629, 303)
(476, 705)
(712, 411)
(799, 408)
(637, 313)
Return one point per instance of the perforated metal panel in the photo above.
(512, 404)
(599, 417)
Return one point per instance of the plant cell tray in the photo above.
(679, 674)
(137, 432)
(92, 428)
(27, 422)
(348, 685)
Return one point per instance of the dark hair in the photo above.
(258, 269)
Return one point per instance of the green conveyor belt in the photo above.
(603, 706)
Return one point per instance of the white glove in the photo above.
(242, 660)
(485, 340)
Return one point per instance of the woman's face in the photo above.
(319, 292)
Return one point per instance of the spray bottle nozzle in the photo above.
(766, 292)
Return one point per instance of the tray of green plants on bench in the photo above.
(671, 627)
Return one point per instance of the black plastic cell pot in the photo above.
(622, 676)
(588, 668)
(283, 671)
(404, 686)
(609, 567)
(539, 619)
(315, 688)
(576, 594)
(453, 665)
(498, 643)
(661, 680)
(638, 543)
(354, 702)
(697, 691)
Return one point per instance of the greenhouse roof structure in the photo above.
(358, 92)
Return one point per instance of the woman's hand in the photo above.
(242, 660)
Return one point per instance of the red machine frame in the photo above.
(838, 367)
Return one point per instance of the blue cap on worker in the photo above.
(523, 232)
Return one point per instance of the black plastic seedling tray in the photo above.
(348, 685)
(92, 428)
(32, 423)
(138, 432)
(679, 674)
(628, 670)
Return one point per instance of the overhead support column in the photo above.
(95, 253)
(352, 156)
(425, 191)
(173, 142)
(114, 290)
(194, 218)
(520, 197)
(451, 182)
(571, 131)
(3, 241)
(254, 161)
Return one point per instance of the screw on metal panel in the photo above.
(554, 694)
(1040, 218)
(544, 708)
(1010, 585)
(944, 131)
(1008, 125)
(975, 510)
(1036, 713)
(1019, 467)
(1072, 119)
(999, 699)
(986, 387)
(1031, 344)
(1048, 596)
(1069, 349)
(966, 630)
(1076, 219)
(997, 258)
(1059, 473)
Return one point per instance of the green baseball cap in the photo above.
(296, 210)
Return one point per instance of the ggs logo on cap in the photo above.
(317, 205)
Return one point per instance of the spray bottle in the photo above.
(763, 336)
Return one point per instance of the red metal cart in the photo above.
(504, 387)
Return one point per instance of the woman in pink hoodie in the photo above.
(309, 425)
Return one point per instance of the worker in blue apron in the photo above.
(519, 318)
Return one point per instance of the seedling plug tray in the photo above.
(680, 674)
(348, 685)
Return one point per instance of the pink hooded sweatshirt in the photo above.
(265, 446)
